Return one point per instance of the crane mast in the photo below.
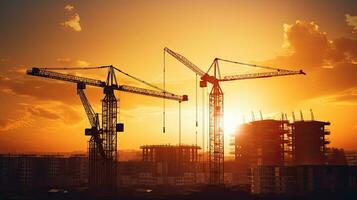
(216, 106)
(102, 145)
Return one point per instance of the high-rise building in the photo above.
(258, 143)
(303, 178)
(308, 140)
(42, 171)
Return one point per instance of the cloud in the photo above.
(346, 97)
(72, 19)
(14, 81)
(351, 21)
(3, 78)
(305, 41)
(82, 63)
(343, 50)
(28, 113)
(39, 89)
(12, 124)
(330, 63)
(73, 22)
(71, 62)
(306, 45)
(60, 112)
(42, 112)
(46, 99)
(64, 61)
(69, 7)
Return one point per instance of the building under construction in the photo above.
(264, 147)
(278, 142)
(308, 141)
(262, 142)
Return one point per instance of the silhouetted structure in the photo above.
(336, 156)
(257, 143)
(169, 160)
(308, 140)
(216, 102)
(303, 179)
(102, 145)
(27, 171)
(262, 142)
(163, 165)
(351, 157)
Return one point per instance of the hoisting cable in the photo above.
(208, 131)
(164, 100)
(203, 126)
(196, 109)
(180, 123)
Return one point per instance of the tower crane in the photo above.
(216, 136)
(102, 150)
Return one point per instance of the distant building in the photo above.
(35, 171)
(302, 179)
(162, 165)
(169, 160)
(351, 158)
(336, 156)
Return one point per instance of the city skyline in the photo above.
(47, 116)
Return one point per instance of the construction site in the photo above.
(270, 156)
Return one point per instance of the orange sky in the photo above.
(45, 115)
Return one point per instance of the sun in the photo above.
(231, 124)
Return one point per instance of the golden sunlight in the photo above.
(231, 123)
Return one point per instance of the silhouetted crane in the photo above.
(102, 151)
(216, 136)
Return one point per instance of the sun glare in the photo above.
(231, 124)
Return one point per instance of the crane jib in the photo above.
(64, 77)
(93, 82)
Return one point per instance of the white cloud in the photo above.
(82, 63)
(72, 62)
(73, 19)
(351, 21)
(69, 7)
